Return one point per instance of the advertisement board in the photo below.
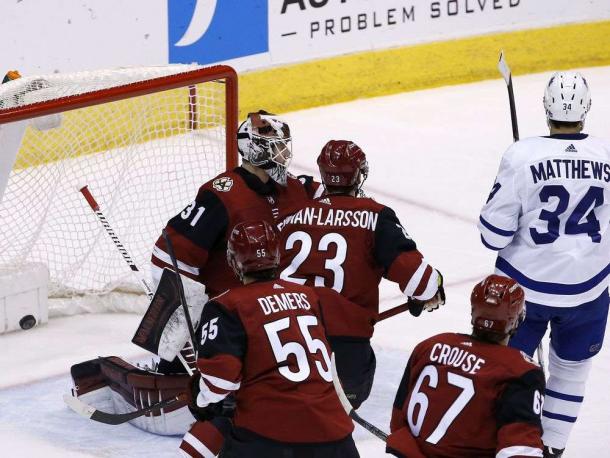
(301, 30)
(60, 36)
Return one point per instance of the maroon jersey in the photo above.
(461, 397)
(199, 232)
(266, 341)
(348, 244)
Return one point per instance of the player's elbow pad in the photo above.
(494, 237)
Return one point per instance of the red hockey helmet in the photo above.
(253, 246)
(341, 162)
(498, 305)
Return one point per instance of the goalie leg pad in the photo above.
(114, 385)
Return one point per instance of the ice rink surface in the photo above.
(433, 156)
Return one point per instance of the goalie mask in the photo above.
(264, 141)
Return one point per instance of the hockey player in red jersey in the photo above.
(258, 189)
(471, 395)
(349, 243)
(265, 342)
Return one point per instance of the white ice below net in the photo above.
(83, 262)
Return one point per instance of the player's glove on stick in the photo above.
(222, 408)
(200, 413)
(416, 306)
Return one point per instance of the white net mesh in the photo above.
(143, 159)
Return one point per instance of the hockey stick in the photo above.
(393, 311)
(130, 262)
(187, 315)
(115, 239)
(92, 413)
(506, 73)
(508, 77)
(348, 407)
(413, 308)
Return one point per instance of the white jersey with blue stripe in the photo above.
(548, 216)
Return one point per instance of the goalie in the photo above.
(255, 190)
(258, 189)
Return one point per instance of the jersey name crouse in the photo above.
(456, 357)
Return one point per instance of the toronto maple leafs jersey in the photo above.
(548, 217)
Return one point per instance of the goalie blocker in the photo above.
(163, 329)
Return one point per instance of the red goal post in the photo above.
(143, 139)
(164, 83)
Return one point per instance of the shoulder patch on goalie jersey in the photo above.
(223, 184)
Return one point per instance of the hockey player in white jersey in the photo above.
(548, 217)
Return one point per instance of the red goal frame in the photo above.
(190, 78)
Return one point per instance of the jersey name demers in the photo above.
(574, 169)
(456, 357)
(284, 301)
(364, 219)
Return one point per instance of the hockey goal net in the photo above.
(142, 139)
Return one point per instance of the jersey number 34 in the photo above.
(593, 198)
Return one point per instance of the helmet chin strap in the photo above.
(360, 192)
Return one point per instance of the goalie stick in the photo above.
(348, 407)
(127, 257)
(92, 413)
(508, 78)
(115, 239)
(187, 315)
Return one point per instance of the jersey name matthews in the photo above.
(571, 169)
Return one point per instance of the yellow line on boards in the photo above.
(321, 82)
(376, 73)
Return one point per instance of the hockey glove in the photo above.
(200, 413)
(224, 408)
(416, 306)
